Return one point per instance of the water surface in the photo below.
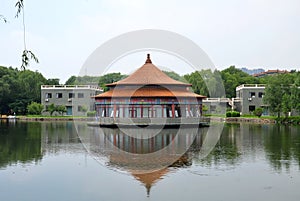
(48, 161)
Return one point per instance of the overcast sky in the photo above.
(63, 33)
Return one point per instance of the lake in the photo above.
(71, 161)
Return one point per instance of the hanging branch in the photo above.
(20, 6)
(3, 18)
(27, 55)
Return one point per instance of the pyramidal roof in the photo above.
(148, 74)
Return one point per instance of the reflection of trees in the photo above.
(19, 143)
(28, 141)
(226, 150)
(60, 136)
(282, 146)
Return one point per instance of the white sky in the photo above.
(63, 33)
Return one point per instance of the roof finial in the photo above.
(148, 59)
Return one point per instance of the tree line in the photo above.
(19, 88)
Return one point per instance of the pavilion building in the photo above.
(148, 93)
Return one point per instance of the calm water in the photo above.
(50, 161)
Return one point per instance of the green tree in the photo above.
(31, 84)
(286, 104)
(54, 81)
(295, 97)
(206, 82)
(258, 112)
(61, 109)
(273, 96)
(197, 81)
(110, 78)
(280, 96)
(35, 108)
(51, 109)
(71, 80)
(233, 77)
(175, 76)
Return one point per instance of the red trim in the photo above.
(173, 110)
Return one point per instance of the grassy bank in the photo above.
(295, 120)
(52, 118)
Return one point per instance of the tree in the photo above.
(258, 112)
(280, 96)
(35, 108)
(197, 81)
(204, 109)
(51, 109)
(295, 97)
(233, 77)
(54, 81)
(175, 76)
(27, 55)
(110, 78)
(71, 80)
(273, 96)
(286, 104)
(81, 80)
(61, 109)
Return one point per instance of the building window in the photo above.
(251, 108)
(251, 94)
(80, 95)
(59, 95)
(261, 94)
(48, 95)
(71, 95)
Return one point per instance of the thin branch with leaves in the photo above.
(27, 55)
(20, 6)
(3, 18)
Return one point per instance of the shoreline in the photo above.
(242, 120)
(206, 119)
(23, 118)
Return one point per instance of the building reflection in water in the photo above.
(145, 153)
(148, 158)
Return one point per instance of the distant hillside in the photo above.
(252, 71)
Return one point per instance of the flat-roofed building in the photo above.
(78, 99)
(249, 97)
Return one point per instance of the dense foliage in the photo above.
(232, 114)
(233, 77)
(96, 80)
(282, 93)
(20, 88)
(258, 112)
(35, 108)
(82, 80)
(110, 78)
(206, 82)
(60, 109)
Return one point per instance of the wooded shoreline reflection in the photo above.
(27, 142)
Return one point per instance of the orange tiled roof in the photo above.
(269, 72)
(148, 92)
(148, 74)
